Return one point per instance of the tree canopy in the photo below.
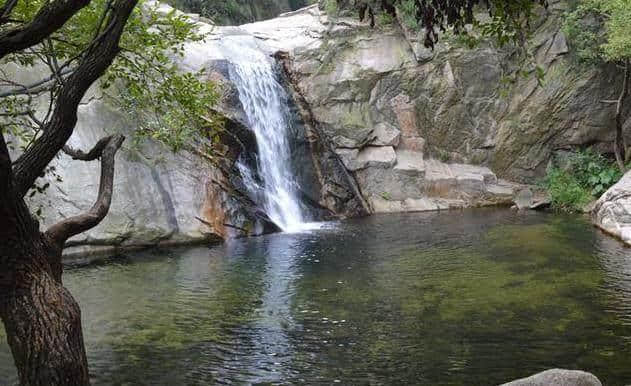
(177, 104)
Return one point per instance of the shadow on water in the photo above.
(467, 297)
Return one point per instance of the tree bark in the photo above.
(49, 19)
(41, 319)
(40, 316)
(618, 147)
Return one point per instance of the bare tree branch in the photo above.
(106, 148)
(59, 128)
(97, 150)
(36, 87)
(6, 9)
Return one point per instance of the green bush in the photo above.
(407, 9)
(585, 176)
(566, 194)
(595, 172)
(330, 7)
(384, 19)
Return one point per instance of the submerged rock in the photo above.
(558, 377)
(612, 212)
(524, 199)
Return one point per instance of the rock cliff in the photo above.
(379, 124)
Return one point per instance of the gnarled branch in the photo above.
(97, 150)
(106, 149)
(61, 124)
(5, 167)
(49, 19)
(6, 9)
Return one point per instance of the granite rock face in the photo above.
(558, 377)
(375, 93)
(612, 212)
(162, 197)
(379, 123)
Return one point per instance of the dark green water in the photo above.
(470, 298)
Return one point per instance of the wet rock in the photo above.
(524, 199)
(541, 204)
(558, 377)
(612, 211)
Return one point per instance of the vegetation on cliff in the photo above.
(234, 12)
(579, 179)
(600, 30)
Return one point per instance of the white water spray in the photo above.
(265, 103)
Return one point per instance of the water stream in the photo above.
(475, 297)
(265, 103)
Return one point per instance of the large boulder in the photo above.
(612, 212)
(558, 377)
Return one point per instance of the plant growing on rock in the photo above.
(74, 44)
(508, 22)
(584, 176)
(611, 44)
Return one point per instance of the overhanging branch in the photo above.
(49, 19)
(106, 149)
(6, 9)
(97, 150)
(61, 124)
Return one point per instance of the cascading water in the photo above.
(266, 106)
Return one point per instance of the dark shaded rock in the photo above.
(321, 173)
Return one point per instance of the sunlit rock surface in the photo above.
(383, 125)
(558, 377)
(612, 212)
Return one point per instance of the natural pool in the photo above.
(473, 297)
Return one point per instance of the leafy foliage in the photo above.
(171, 105)
(599, 29)
(407, 9)
(586, 176)
(565, 192)
(224, 12)
(330, 7)
(508, 21)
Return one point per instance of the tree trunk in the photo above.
(41, 318)
(43, 326)
(618, 147)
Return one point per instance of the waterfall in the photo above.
(265, 102)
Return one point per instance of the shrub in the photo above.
(330, 7)
(384, 19)
(585, 176)
(594, 172)
(566, 194)
(407, 9)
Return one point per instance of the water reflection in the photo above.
(471, 297)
